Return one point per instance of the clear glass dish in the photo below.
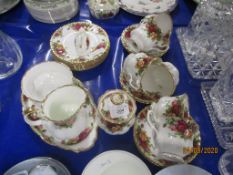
(207, 41)
(223, 130)
(225, 164)
(10, 56)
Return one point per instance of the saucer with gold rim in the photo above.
(80, 45)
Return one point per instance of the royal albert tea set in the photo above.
(62, 112)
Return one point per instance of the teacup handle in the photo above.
(135, 86)
(151, 122)
(173, 157)
(33, 123)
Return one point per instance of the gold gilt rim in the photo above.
(132, 115)
(124, 42)
(55, 90)
(82, 65)
(161, 163)
(94, 128)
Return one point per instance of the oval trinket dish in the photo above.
(80, 45)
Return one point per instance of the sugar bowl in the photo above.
(104, 9)
(117, 112)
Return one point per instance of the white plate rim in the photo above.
(174, 167)
(115, 152)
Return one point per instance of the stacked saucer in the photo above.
(58, 107)
(80, 45)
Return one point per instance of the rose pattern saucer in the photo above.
(146, 7)
(47, 130)
(80, 45)
(145, 145)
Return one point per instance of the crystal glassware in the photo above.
(207, 42)
(225, 164)
(222, 95)
(223, 130)
(10, 56)
(52, 11)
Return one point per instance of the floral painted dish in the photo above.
(80, 45)
(143, 140)
(65, 137)
(117, 111)
(146, 7)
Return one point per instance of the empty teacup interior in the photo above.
(43, 78)
(157, 78)
(63, 103)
